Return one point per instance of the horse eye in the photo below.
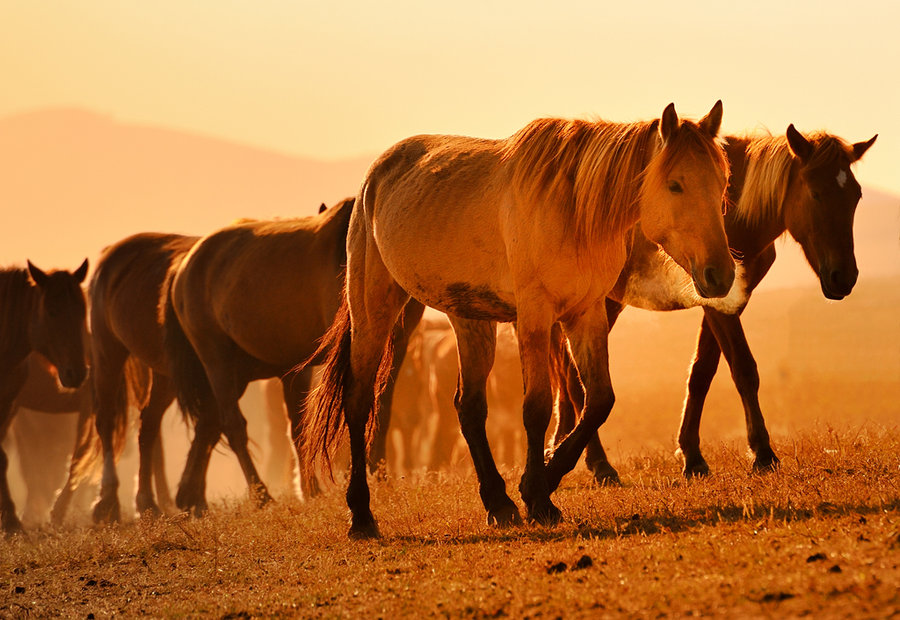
(815, 196)
(675, 187)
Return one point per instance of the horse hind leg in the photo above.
(161, 396)
(234, 426)
(476, 344)
(110, 400)
(296, 386)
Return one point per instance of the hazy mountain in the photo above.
(73, 181)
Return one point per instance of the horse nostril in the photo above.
(711, 275)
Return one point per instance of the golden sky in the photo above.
(338, 79)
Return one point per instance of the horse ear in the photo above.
(37, 276)
(800, 146)
(712, 121)
(668, 123)
(80, 273)
(860, 148)
(322, 208)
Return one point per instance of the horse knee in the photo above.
(597, 409)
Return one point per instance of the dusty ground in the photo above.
(821, 536)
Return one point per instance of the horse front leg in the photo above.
(476, 343)
(703, 369)
(14, 382)
(537, 407)
(588, 340)
(730, 335)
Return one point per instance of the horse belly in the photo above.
(459, 270)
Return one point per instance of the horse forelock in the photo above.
(767, 177)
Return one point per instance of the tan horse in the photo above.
(802, 185)
(528, 229)
(43, 312)
(250, 301)
(126, 340)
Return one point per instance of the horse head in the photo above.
(682, 198)
(58, 321)
(820, 205)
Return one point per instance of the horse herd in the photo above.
(554, 229)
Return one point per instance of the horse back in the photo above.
(125, 293)
(271, 287)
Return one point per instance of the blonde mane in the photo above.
(769, 161)
(595, 173)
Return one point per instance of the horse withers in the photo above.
(44, 312)
(528, 229)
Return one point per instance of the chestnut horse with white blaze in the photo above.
(529, 229)
(43, 312)
(793, 183)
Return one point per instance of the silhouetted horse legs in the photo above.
(296, 385)
(84, 445)
(191, 495)
(723, 333)
(570, 403)
(111, 403)
(404, 328)
(162, 394)
(9, 389)
(476, 342)
(588, 341)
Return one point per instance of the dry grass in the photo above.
(821, 536)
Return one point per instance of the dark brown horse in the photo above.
(46, 453)
(126, 340)
(794, 183)
(250, 301)
(43, 312)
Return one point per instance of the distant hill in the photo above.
(74, 181)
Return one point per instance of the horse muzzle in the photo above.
(837, 283)
(712, 281)
(72, 378)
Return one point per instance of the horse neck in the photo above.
(751, 237)
(17, 301)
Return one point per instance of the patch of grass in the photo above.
(819, 536)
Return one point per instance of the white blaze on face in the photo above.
(842, 178)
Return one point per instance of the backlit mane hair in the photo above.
(769, 161)
(15, 305)
(596, 172)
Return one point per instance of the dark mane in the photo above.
(15, 306)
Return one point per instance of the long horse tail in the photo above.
(192, 386)
(88, 450)
(323, 427)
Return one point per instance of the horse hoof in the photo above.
(605, 475)
(149, 510)
(107, 511)
(695, 468)
(363, 529)
(261, 497)
(766, 463)
(505, 516)
(545, 515)
(11, 524)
